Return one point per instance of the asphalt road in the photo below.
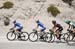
(5, 44)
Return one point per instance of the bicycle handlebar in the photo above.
(51, 31)
(11, 28)
(34, 30)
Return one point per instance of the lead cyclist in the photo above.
(17, 27)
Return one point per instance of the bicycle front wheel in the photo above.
(11, 36)
(33, 37)
(66, 37)
(49, 37)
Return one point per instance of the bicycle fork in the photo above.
(35, 33)
(11, 34)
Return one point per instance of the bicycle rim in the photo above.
(11, 36)
(47, 37)
(24, 36)
(33, 37)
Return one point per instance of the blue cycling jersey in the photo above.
(17, 24)
(41, 25)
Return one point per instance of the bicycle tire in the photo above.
(33, 36)
(10, 36)
(24, 36)
(66, 36)
(47, 37)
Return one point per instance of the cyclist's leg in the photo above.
(42, 31)
(59, 33)
(19, 30)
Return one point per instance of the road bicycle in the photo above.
(35, 35)
(62, 36)
(69, 36)
(12, 35)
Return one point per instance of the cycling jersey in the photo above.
(42, 26)
(18, 26)
(60, 28)
(58, 25)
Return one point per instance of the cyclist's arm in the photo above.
(69, 26)
(74, 31)
(14, 26)
(37, 26)
(53, 29)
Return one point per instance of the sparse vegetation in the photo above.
(6, 21)
(68, 1)
(7, 5)
(54, 10)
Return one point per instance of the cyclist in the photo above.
(71, 25)
(17, 26)
(43, 28)
(58, 29)
(71, 28)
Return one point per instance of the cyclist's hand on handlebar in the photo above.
(34, 29)
(68, 29)
(50, 30)
(11, 28)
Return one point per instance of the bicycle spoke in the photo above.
(33, 37)
(24, 36)
(11, 36)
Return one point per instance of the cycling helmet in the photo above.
(37, 21)
(68, 22)
(54, 22)
(14, 21)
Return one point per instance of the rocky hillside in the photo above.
(30, 8)
(28, 11)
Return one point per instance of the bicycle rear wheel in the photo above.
(24, 36)
(47, 37)
(33, 37)
(11, 36)
(66, 37)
